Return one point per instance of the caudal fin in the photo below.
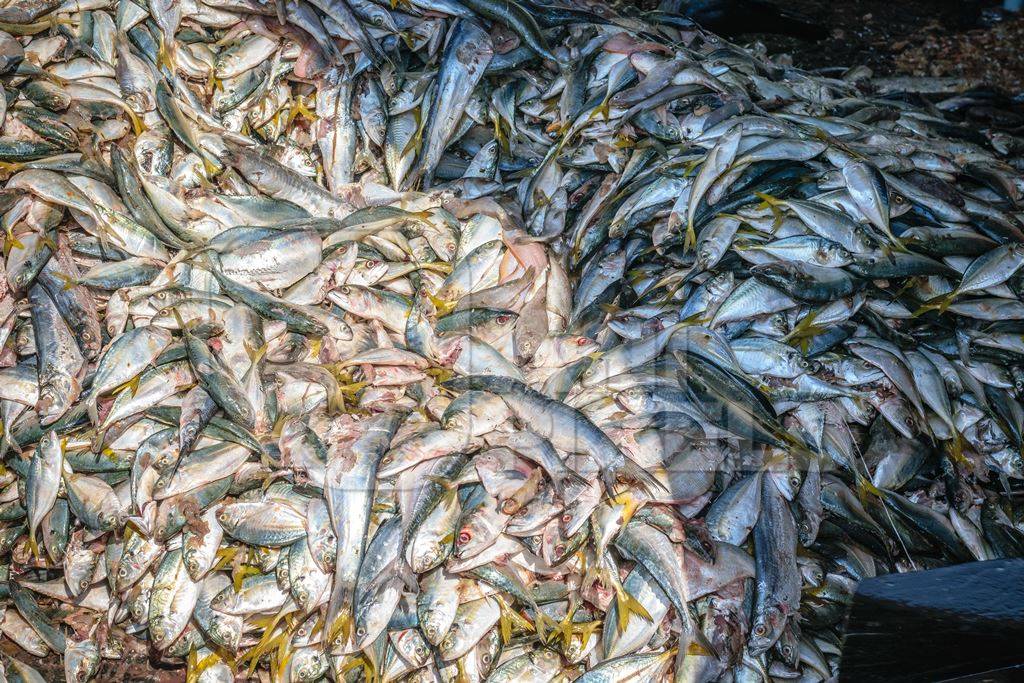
(632, 471)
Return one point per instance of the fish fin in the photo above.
(297, 107)
(499, 135)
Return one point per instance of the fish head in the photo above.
(55, 397)
(433, 625)
(766, 629)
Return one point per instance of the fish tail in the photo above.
(105, 226)
(690, 241)
(504, 621)
(137, 125)
(955, 448)
(804, 328)
(96, 444)
(165, 55)
(866, 488)
(603, 110)
(224, 557)
(282, 655)
(33, 546)
(69, 282)
(414, 140)
(197, 666)
(543, 624)
(9, 167)
(625, 604)
(939, 303)
(563, 628)
(632, 471)
(571, 477)
(772, 204)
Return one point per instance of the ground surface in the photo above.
(917, 37)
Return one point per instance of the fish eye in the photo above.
(760, 630)
(582, 341)
(794, 481)
(503, 318)
(486, 658)
(559, 548)
(465, 536)
(566, 518)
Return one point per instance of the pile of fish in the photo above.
(466, 340)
